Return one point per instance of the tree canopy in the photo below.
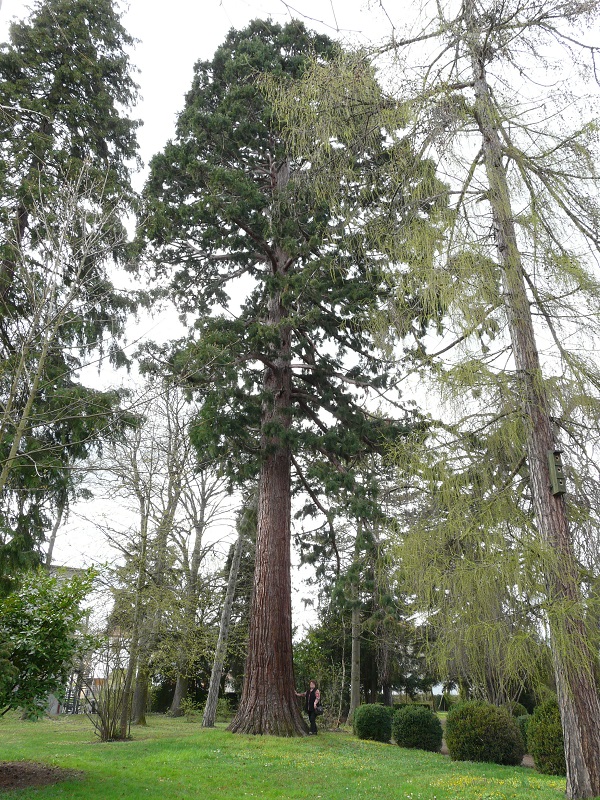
(66, 146)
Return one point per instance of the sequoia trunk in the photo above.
(268, 704)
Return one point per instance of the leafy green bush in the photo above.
(477, 731)
(516, 709)
(190, 710)
(415, 726)
(39, 639)
(523, 723)
(545, 739)
(372, 721)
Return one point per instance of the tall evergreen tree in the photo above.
(65, 147)
(284, 380)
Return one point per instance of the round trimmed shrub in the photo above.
(516, 709)
(415, 726)
(478, 731)
(372, 721)
(545, 739)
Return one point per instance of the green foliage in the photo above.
(443, 702)
(323, 655)
(226, 199)
(193, 711)
(106, 694)
(478, 731)
(473, 537)
(39, 638)
(415, 726)
(398, 706)
(65, 149)
(8, 671)
(311, 658)
(545, 739)
(516, 709)
(372, 721)
(523, 721)
(190, 710)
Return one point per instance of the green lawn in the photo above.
(176, 760)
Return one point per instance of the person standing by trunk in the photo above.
(312, 697)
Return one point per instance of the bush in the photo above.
(39, 639)
(477, 731)
(372, 721)
(190, 710)
(545, 739)
(516, 709)
(523, 723)
(415, 726)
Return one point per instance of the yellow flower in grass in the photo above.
(465, 781)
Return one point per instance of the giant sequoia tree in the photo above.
(284, 376)
(64, 145)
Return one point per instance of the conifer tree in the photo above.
(283, 379)
(65, 144)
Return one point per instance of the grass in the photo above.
(176, 760)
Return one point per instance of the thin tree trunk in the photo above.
(355, 662)
(135, 628)
(210, 709)
(52, 539)
(387, 694)
(24, 420)
(573, 658)
(383, 634)
(181, 690)
(140, 695)
(191, 599)
(374, 687)
(356, 626)
(343, 679)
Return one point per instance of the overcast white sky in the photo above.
(174, 34)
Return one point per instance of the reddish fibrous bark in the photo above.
(268, 704)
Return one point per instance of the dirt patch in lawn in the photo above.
(25, 774)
